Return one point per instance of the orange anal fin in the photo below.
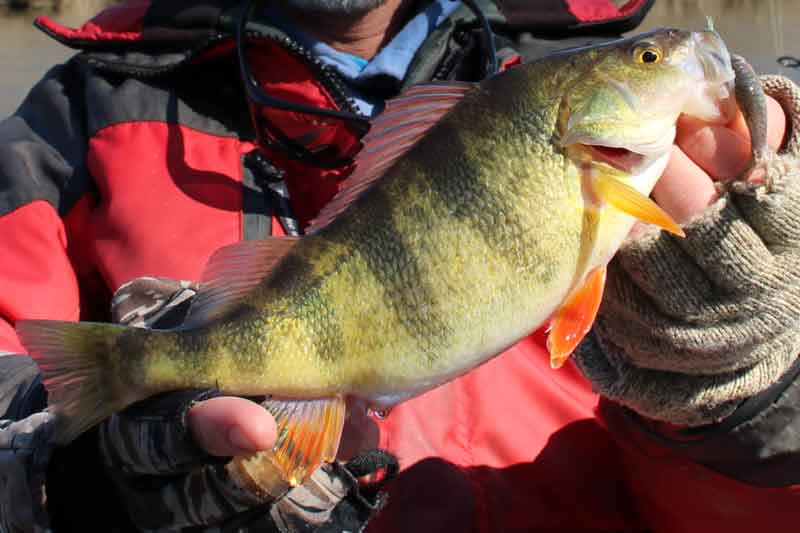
(574, 318)
(308, 435)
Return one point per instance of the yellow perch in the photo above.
(477, 213)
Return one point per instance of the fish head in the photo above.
(623, 106)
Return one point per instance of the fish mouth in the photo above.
(619, 158)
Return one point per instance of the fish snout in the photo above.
(714, 57)
(715, 101)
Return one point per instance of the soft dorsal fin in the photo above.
(403, 122)
(231, 273)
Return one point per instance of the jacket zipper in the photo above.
(329, 78)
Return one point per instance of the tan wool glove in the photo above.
(689, 328)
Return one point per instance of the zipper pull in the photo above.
(270, 179)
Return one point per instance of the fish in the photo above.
(477, 213)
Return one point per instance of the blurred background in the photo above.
(761, 30)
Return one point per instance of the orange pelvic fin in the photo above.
(574, 318)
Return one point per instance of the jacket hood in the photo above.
(142, 25)
(179, 25)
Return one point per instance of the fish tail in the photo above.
(78, 362)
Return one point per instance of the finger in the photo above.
(229, 426)
(718, 150)
(684, 189)
(776, 124)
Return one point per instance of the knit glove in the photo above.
(167, 482)
(689, 328)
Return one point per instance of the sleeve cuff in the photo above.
(757, 444)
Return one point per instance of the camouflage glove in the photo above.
(689, 328)
(168, 483)
(25, 445)
(25, 450)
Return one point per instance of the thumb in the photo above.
(229, 426)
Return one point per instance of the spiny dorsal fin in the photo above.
(404, 121)
(231, 273)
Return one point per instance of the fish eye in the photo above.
(647, 53)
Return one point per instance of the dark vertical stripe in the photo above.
(279, 195)
(297, 279)
(406, 288)
(473, 201)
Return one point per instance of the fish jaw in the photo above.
(624, 103)
(619, 120)
(712, 68)
(613, 226)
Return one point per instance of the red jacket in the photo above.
(125, 163)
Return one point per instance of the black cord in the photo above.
(255, 92)
(256, 95)
(489, 46)
(275, 137)
(789, 62)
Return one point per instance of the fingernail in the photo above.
(237, 438)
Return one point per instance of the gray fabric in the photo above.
(689, 328)
(25, 450)
(21, 390)
(185, 100)
(256, 208)
(43, 147)
(24, 446)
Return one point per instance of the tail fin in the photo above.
(78, 361)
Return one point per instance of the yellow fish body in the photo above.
(477, 214)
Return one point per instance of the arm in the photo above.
(176, 441)
(696, 345)
(42, 149)
(42, 175)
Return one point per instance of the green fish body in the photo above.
(459, 245)
(442, 263)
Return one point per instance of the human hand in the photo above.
(222, 426)
(230, 426)
(689, 328)
(705, 153)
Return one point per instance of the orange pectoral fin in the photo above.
(574, 318)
